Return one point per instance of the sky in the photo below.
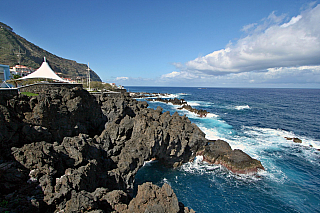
(179, 43)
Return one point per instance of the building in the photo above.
(44, 71)
(4, 73)
(21, 70)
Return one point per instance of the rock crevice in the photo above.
(65, 151)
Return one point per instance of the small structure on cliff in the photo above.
(4, 76)
(44, 71)
(4, 72)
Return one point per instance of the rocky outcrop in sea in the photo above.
(183, 104)
(67, 151)
(220, 152)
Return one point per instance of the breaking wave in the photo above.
(242, 107)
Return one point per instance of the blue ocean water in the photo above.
(257, 122)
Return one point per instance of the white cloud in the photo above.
(182, 75)
(270, 44)
(301, 76)
(171, 75)
(292, 21)
(248, 27)
(122, 78)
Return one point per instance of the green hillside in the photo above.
(32, 56)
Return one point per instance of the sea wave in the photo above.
(165, 180)
(263, 142)
(169, 96)
(212, 115)
(242, 107)
(269, 146)
(194, 103)
(182, 94)
(149, 163)
(200, 167)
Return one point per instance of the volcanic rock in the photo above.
(66, 151)
(152, 198)
(296, 140)
(220, 152)
(183, 104)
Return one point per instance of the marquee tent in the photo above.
(44, 71)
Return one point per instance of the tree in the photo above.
(16, 76)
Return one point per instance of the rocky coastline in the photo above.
(220, 152)
(183, 104)
(67, 151)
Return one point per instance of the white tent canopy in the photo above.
(44, 71)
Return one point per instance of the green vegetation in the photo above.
(16, 76)
(27, 81)
(29, 94)
(4, 203)
(33, 81)
(32, 56)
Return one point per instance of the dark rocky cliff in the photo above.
(64, 151)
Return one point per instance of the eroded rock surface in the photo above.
(66, 151)
(49, 117)
(152, 198)
(220, 152)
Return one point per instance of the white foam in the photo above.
(187, 112)
(169, 96)
(261, 142)
(199, 167)
(211, 133)
(212, 115)
(193, 103)
(267, 145)
(149, 163)
(165, 180)
(182, 94)
(242, 107)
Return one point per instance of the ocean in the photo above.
(257, 122)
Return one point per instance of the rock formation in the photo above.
(64, 151)
(296, 140)
(183, 104)
(152, 198)
(220, 152)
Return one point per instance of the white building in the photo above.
(21, 70)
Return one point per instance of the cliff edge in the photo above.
(65, 151)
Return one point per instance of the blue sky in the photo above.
(211, 43)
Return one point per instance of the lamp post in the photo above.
(88, 77)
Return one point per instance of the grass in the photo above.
(3, 203)
(29, 94)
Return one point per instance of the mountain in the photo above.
(13, 45)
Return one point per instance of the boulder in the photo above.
(296, 140)
(152, 198)
(220, 152)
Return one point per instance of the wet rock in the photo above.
(183, 104)
(200, 112)
(220, 152)
(296, 140)
(64, 151)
